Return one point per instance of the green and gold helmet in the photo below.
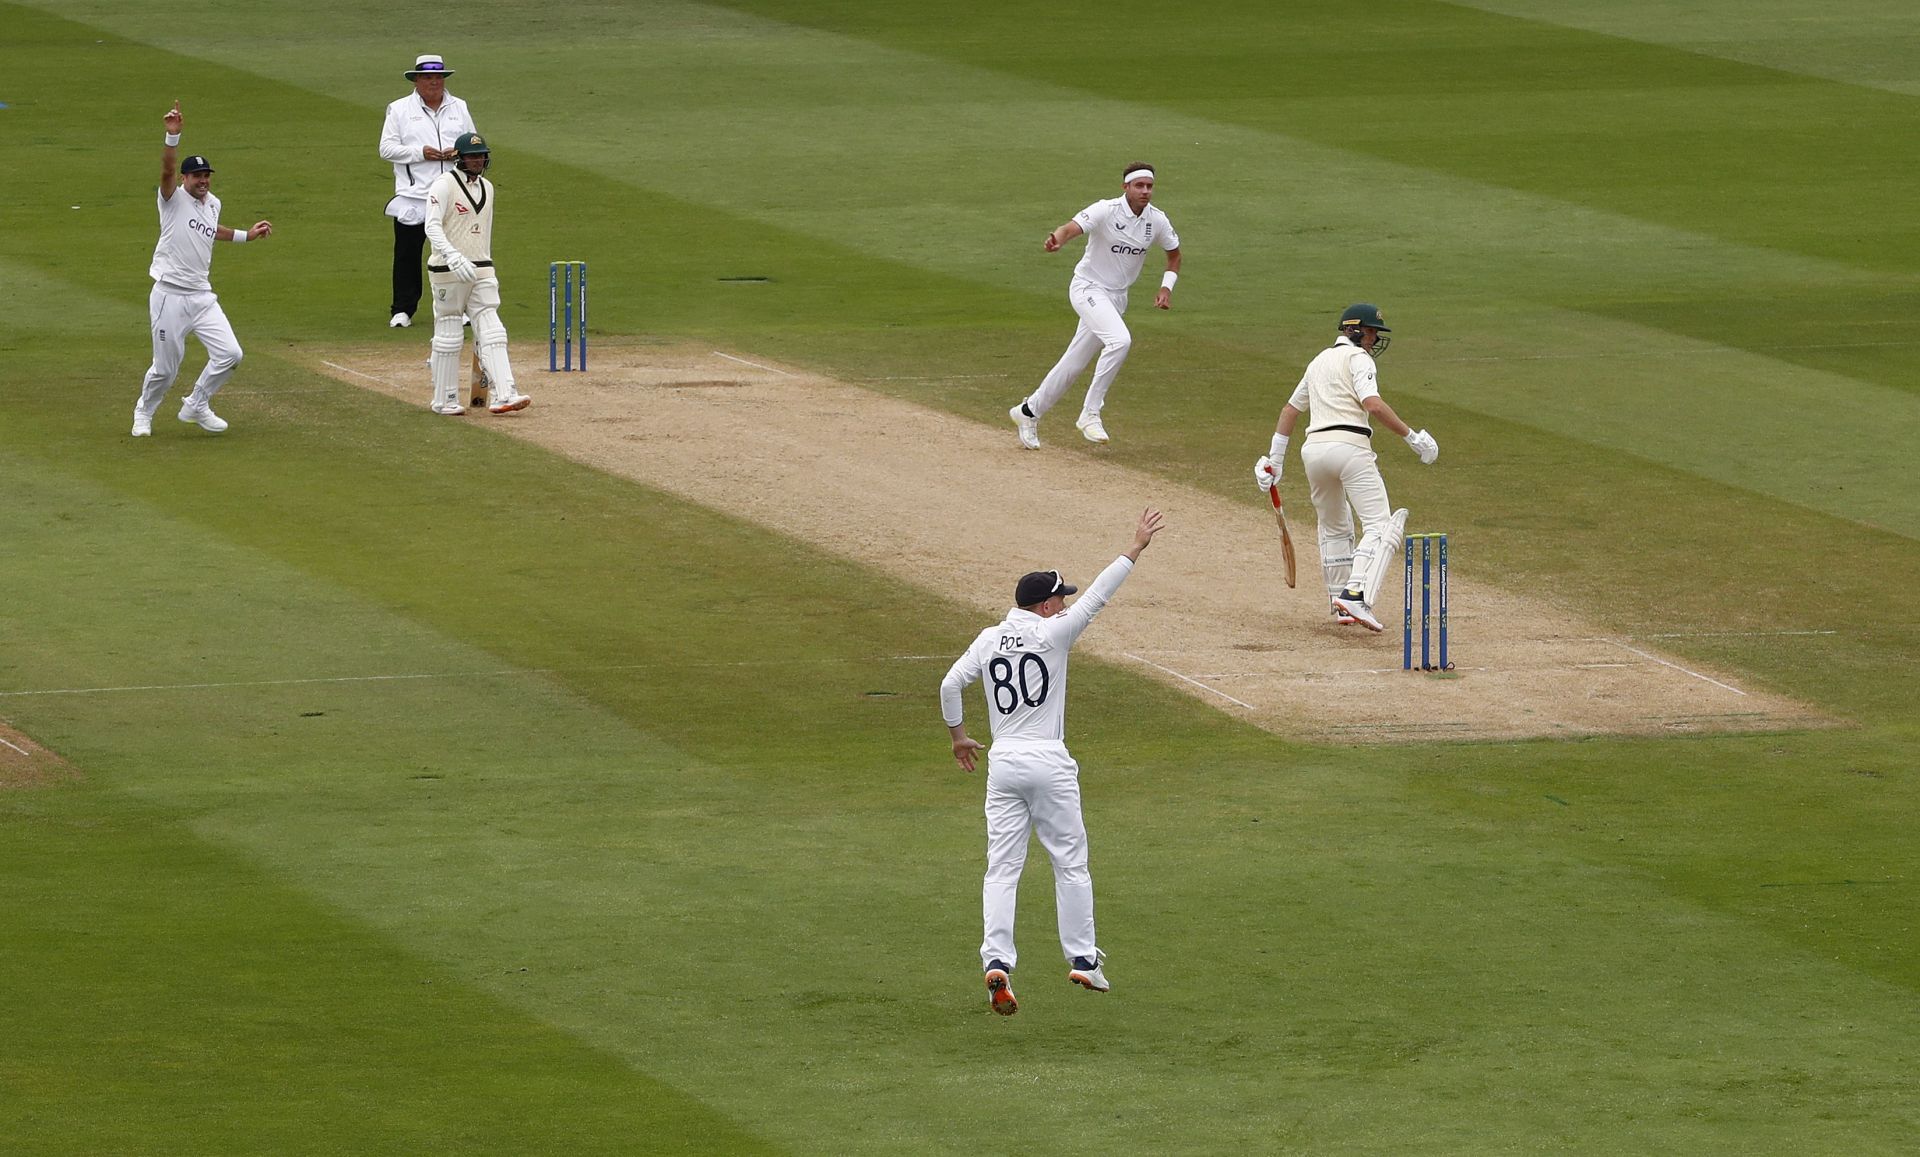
(1355, 320)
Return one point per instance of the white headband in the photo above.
(1137, 174)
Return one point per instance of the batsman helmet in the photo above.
(1365, 316)
(472, 145)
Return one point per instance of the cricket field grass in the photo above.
(421, 791)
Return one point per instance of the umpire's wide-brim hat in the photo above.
(428, 65)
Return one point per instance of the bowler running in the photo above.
(1119, 232)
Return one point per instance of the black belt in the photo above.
(432, 268)
(1315, 430)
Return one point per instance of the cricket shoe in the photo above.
(449, 407)
(1090, 428)
(202, 416)
(400, 321)
(142, 425)
(1000, 990)
(509, 403)
(1351, 603)
(1029, 427)
(1343, 618)
(1086, 972)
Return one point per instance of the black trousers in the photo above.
(409, 248)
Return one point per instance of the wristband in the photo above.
(1168, 278)
(1278, 450)
(239, 237)
(173, 140)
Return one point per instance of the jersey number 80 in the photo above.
(1007, 697)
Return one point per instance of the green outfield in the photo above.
(435, 794)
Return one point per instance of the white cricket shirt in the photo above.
(460, 216)
(1117, 242)
(1330, 392)
(1022, 663)
(187, 231)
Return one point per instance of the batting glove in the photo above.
(1266, 472)
(1424, 445)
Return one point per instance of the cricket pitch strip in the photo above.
(924, 496)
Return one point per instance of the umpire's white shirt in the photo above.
(1022, 662)
(410, 129)
(185, 253)
(1332, 390)
(1118, 240)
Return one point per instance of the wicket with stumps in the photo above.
(560, 330)
(1428, 544)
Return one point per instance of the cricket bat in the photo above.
(1286, 538)
(479, 380)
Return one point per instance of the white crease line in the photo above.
(1185, 679)
(358, 374)
(18, 748)
(755, 365)
(446, 675)
(1675, 666)
(1727, 635)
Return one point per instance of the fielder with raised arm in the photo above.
(183, 301)
(460, 231)
(1341, 391)
(1033, 785)
(1119, 232)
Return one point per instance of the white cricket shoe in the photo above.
(1000, 990)
(1086, 972)
(1091, 429)
(1343, 618)
(508, 403)
(1350, 603)
(400, 321)
(202, 416)
(142, 425)
(449, 407)
(1029, 427)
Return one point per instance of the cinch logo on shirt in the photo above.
(1127, 249)
(199, 226)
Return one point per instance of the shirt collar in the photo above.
(1343, 339)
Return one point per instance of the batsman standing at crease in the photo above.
(183, 301)
(1033, 785)
(1119, 232)
(460, 230)
(1341, 392)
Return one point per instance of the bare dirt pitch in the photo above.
(24, 763)
(956, 507)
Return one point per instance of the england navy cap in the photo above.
(1038, 586)
(195, 164)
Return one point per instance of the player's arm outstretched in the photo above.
(1062, 235)
(170, 153)
(1075, 618)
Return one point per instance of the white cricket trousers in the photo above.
(1101, 331)
(175, 315)
(1035, 788)
(1344, 480)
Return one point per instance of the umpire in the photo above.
(418, 141)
